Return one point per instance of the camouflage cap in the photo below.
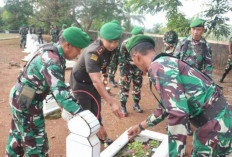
(171, 37)
(135, 40)
(137, 30)
(76, 37)
(110, 31)
(197, 23)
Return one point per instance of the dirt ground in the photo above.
(10, 65)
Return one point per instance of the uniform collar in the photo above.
(200, 41)
(59, 48)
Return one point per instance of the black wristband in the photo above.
(140, 127)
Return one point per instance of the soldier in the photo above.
(195, 50)
(23, 32)
(114, 63)
(229, 62)
(185, 93)
(64, 26)
(170, 40)
(130, 72)
(52, 31)
(44, 73)
(39, 33)
(86, 73)
(57, 31)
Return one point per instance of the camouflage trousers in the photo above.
(113, 66)
(214, 139)
(27, 134)
(23, 41)
(134, 75)
(228, 66)
(54, 38)
(40, 39)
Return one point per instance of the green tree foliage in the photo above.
(216, 22)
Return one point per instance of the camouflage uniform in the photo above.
(45, 73)
(198, 54)
(228, 66)
(39, 33)
(53, 34)
(23, 32)
(186, 93)
(132, 73)
(170, 39)
(113, 67)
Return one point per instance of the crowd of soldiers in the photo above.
(182, 75)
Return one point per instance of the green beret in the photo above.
(135, 40)
(110, 31)
(76, 37)
(197, 23)
(73, 25)
(115, 21)
(137, 30)
(64, 26)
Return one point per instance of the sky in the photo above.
(190, 8)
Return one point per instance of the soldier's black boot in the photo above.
(137, 107)
(223, 76)
(113, 83)
(123, 109)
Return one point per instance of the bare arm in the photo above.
(98, 84)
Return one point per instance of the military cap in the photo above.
(73, 25)
(197, 23)
(110, 31)
(137, 30)
(64, 26)
(135, 40)
(76, 37)
(115, 21)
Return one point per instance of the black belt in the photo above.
(38, 97)
(209, 113)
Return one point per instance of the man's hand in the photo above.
(102, 133)
(116, 110)
(135, 130)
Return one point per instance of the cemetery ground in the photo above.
(10, 65)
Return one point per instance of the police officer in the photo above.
(86, 73)
(170, 40)
(186, 93)
(39, 33)
(229, 62)
(195, 50)
(44, 73)
(114, 63)
(23, 32)
(130, 72)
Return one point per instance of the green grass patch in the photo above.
(3, 36)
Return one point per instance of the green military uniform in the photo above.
(186, 93)
(23, 32)
(53, 34)
(197, 54)
(170, 40)
(44, 73)
(39, 33)
(132, 73)
(228, 65)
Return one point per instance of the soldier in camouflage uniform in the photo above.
(229, 62)
(53, 34)
(170, 40)
(195, 50)
(186, 93)
(130, 72)
(23, 32)
(44, 73)
(39, 33)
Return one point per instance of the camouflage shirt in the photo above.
(46, 73)
(125, 61)
(171, 38)
(194, 55)
(184, 93)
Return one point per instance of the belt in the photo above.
(38, 97)
(209, 113)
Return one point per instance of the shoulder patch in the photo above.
(94, 57)
(100, 50)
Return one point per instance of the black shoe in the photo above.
(221, 80)
(113, 83)
(190, 132)
(124, 111)
(166, 128)
(137, 108)
(108, 141)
